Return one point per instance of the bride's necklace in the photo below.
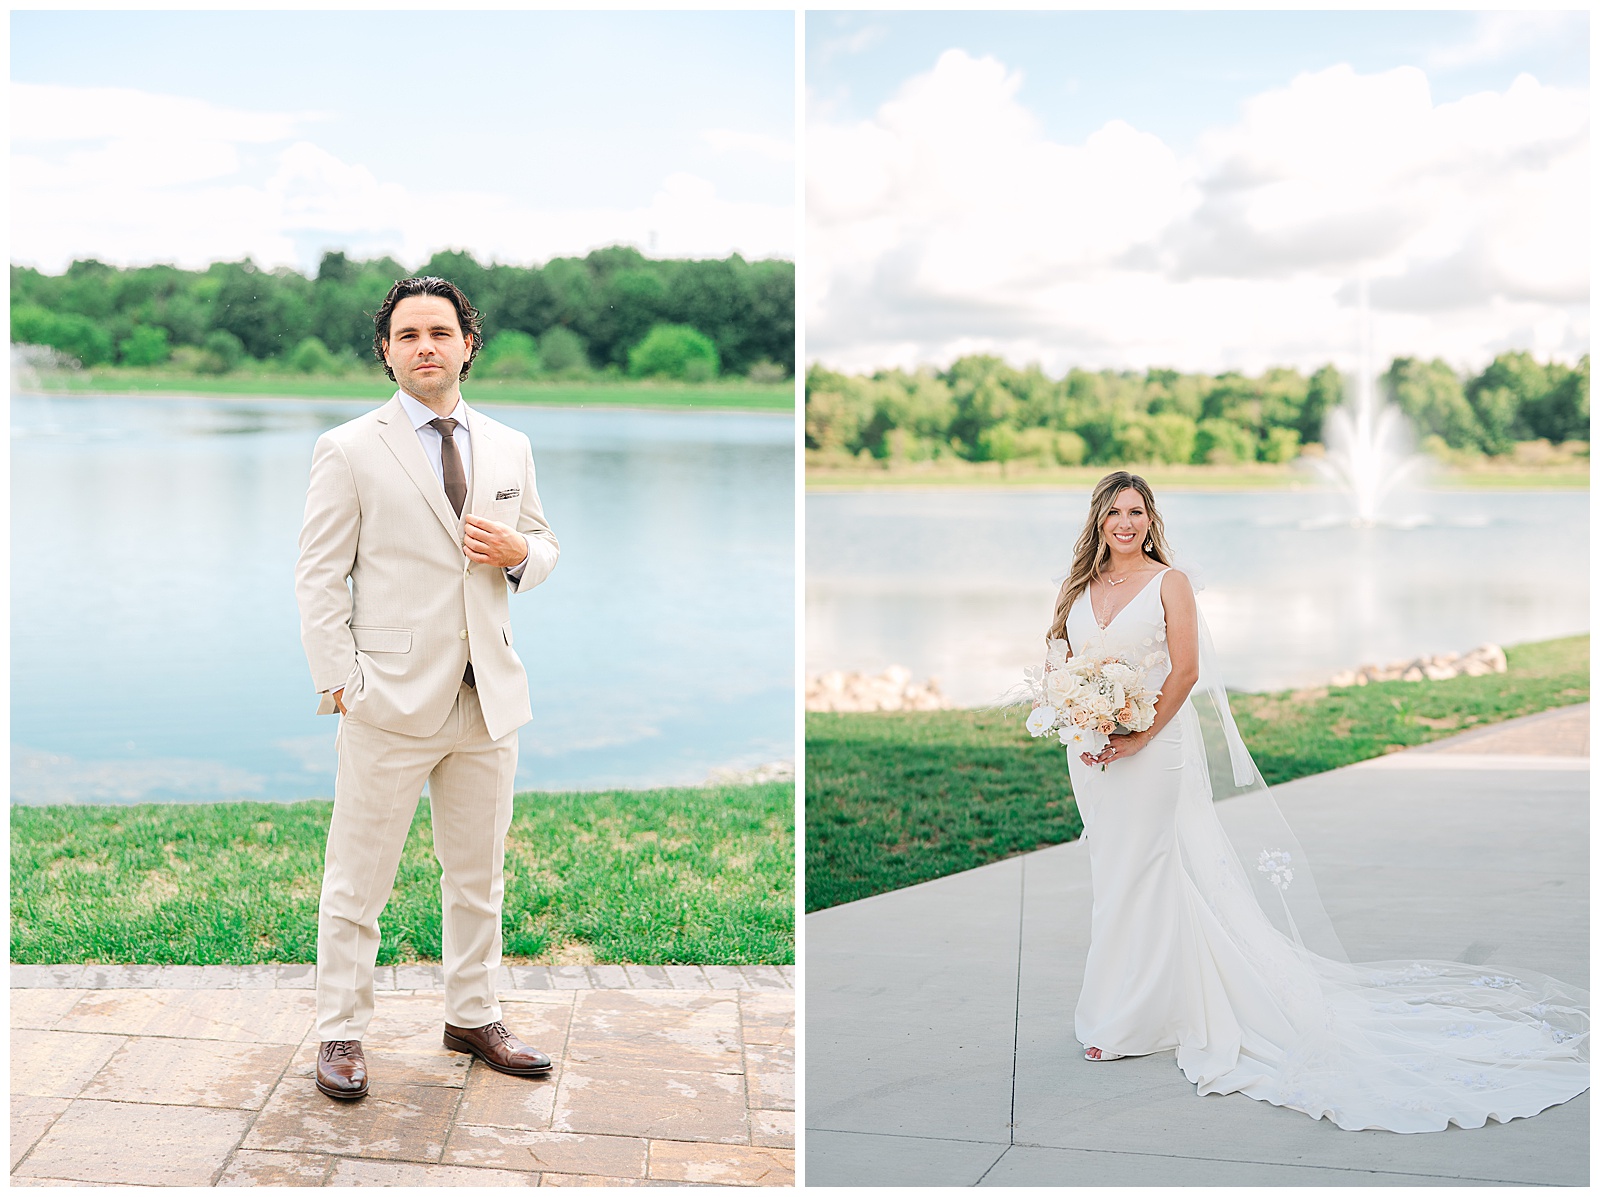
(1105, 619)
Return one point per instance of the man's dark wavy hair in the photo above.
(470, 319)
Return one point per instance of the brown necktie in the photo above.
(455, 481)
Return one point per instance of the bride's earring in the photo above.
(1149, 544)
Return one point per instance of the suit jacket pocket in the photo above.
(505, 630)
(381, 640)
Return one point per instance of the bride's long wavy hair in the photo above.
(1092, 553)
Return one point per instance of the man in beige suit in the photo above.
(421, 517)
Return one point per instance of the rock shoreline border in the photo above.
(855, 692)
(1479, 662)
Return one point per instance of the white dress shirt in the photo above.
(432, 439)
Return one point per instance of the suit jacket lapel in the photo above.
(483, 450)
(402, 440)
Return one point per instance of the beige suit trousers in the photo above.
(381, 773)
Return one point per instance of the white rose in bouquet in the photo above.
(1062, 687)
(1119, 673)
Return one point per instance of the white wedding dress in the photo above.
(1201, 943)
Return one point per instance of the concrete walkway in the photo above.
(144, 1075)
(940, 1046)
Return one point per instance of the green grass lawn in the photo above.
(679, 876)
(896, 799)
(731, 395)
(1295, 733)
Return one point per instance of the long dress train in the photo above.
(1184, 955)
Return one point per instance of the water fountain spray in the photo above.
(1368, 440)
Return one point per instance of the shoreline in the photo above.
(1521, 478)
(622, 396)
(513, 404)
(734, 779)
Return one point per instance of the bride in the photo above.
(1213, 942)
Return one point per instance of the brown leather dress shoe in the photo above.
(342, 1069)
(498, 1048)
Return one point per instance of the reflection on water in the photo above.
(155, 642)
(957, 585)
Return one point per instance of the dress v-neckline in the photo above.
(1106, 627)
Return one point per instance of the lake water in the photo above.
(957, 584)
(155, 645)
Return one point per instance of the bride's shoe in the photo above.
(1103, 1056)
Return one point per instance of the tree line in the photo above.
(566, 318)
(982, 409)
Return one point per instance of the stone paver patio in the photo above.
(177, 1075)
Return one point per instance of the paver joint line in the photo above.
(1218, 1159)
(831, 1130)
(1016, 1009)
(1003, 1153)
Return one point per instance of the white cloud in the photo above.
(127, 162)
(131, 177)
(950, 222)
(857, 41)
(48, 113)
(1340, 169)
(730, 141)
(1498, 34)
(75, 138)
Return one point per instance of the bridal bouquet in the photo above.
(1087, 698)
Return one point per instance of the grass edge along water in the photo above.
(729, 395)
(1493, 474)
(691, 875)
(896, 799)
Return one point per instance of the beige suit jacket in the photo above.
(390, 607)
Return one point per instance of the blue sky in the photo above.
(544, 115)
(1177, 73)
(1195, 189)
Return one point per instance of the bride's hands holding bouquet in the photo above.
(1119, 747)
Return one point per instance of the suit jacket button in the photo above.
(463, 633)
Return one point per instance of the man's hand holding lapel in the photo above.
(486, 542)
